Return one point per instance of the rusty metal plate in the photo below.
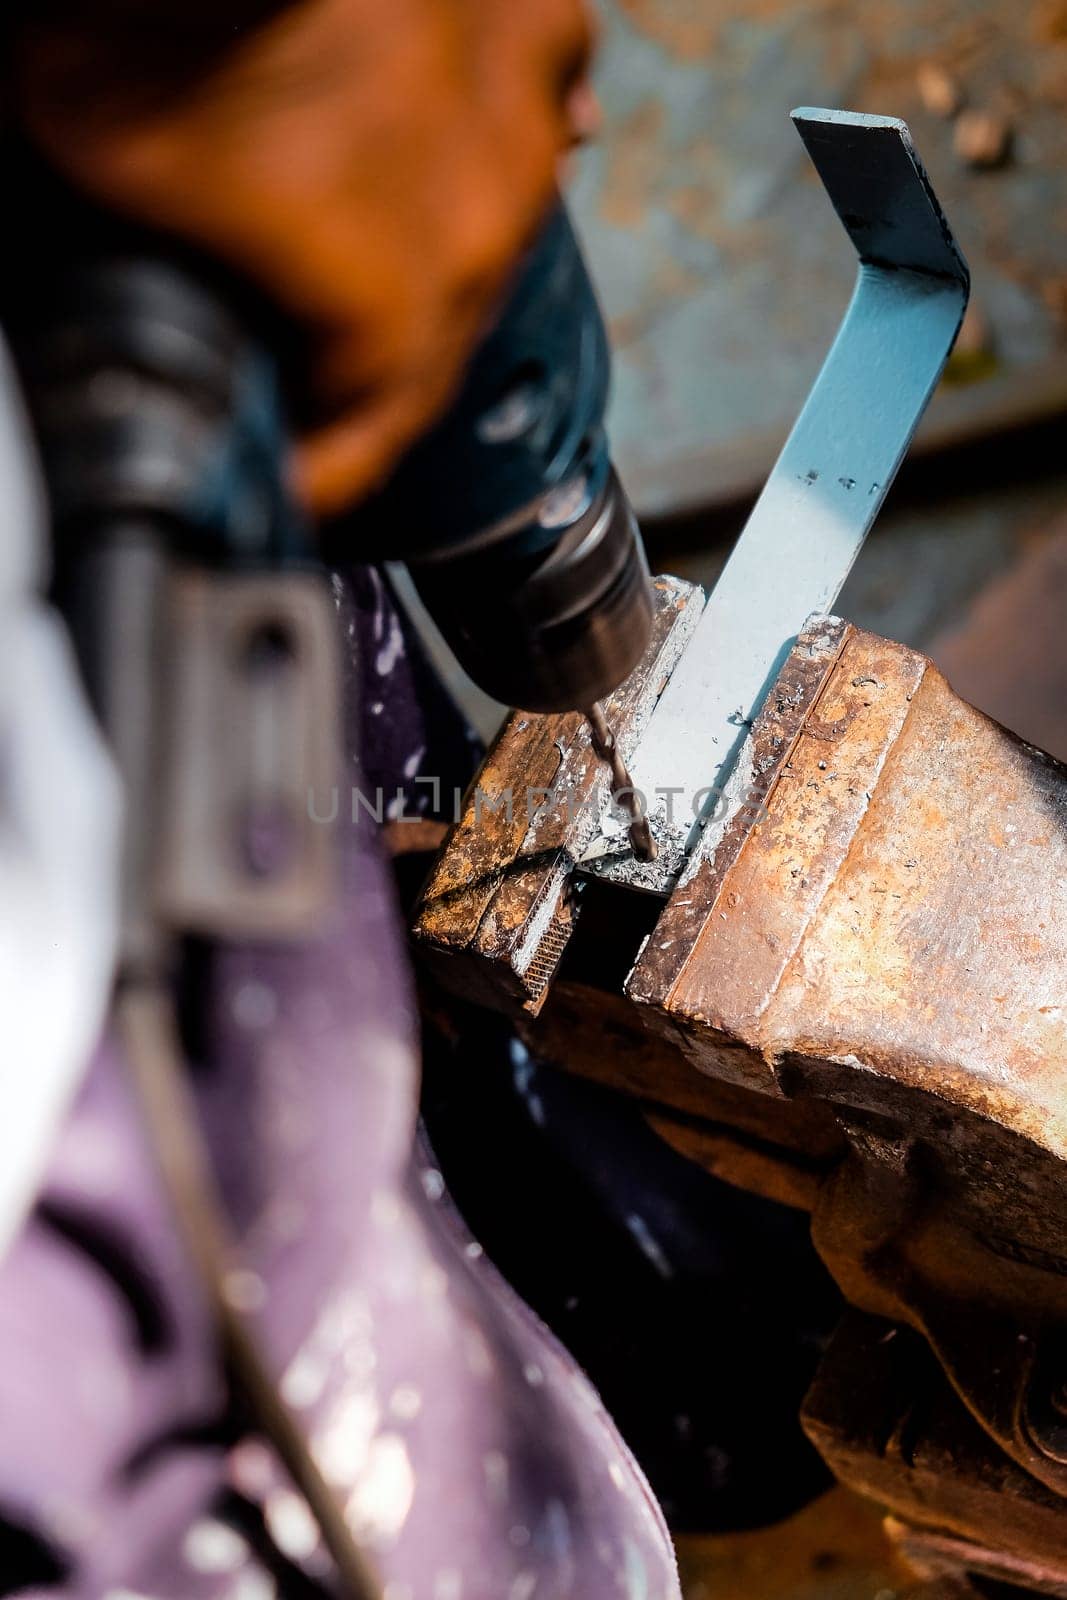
(719, 263)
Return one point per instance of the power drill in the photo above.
(512, 519)
(155, 399)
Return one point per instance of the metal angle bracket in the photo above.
(826, 488)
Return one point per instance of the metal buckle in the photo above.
(253, 711)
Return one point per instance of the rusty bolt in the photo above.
(939, 91)
(982, 138)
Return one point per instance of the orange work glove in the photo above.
(375, 165)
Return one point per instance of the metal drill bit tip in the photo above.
(623, 792)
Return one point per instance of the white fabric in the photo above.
(59, 841)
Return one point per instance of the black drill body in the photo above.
(160, 408)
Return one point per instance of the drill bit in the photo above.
(606, 747)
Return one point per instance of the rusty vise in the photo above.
(842, 985)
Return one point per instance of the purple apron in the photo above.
(473, 1456)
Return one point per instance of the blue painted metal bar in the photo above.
(835, 469)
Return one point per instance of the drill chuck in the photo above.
(556, 629)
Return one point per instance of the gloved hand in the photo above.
(375, 168)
